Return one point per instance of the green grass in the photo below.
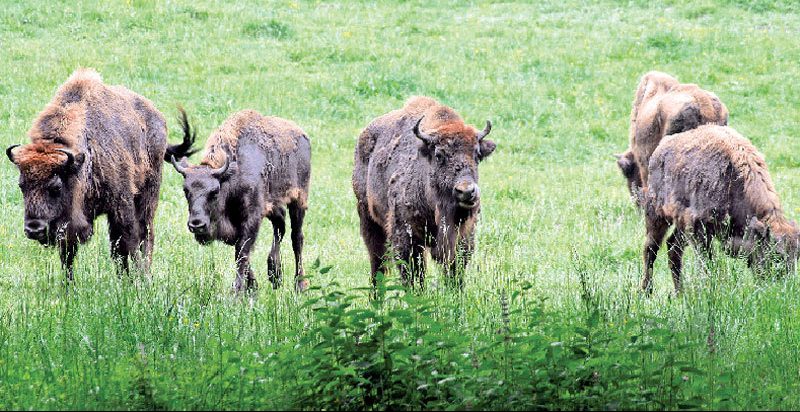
(555, 77)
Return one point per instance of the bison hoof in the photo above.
(301, 285)
(250, 285)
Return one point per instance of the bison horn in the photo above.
(219, 172)
(420, 135)
(70, 157)
(485, 131)
(10, 152)
(178, 167)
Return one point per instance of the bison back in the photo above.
(386, 155)
(694, 179)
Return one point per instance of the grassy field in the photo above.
(550, 316)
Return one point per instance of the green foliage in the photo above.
(550, 316)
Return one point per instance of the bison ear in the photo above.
(426, 149)
(73, 163)
(486, 148)
(80, 158)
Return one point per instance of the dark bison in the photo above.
(253, 167)
(712, 182)
(416, 182)
(95, 149)
(662, 106)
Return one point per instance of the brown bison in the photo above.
(253, 167)
(711, 182)
(95, 150)
(662, 106)
(416, 182)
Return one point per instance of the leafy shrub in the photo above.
(397, 352)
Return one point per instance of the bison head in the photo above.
(769, 252)
(454, 151)
(205, 190)
(48, 180)
(630, 170)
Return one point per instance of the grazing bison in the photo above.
(253, 167)
(711, 182)
(662, 106)
(416, 182)
(95, 149)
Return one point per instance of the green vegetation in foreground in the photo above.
(550, 317)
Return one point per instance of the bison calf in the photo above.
(253, 167)
(662, 106)
(416, 182)
(95, 150)
(712, 182)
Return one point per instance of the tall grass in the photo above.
(550, 317)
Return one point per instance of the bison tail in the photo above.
(183, 149)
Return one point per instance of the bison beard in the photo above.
(416, 182)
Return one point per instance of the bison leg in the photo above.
(409, 251)
(375, 240)
(297, 215)
(675, 245)
(458, 267)
(412, 264)
(278, 220)
(68, 249)
(656, 229)
(146, 204)
(123, 233)
(245, 280)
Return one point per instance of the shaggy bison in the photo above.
(95, 149)
(253, 167)
(416, 182)
(711, 182)
(662, 106)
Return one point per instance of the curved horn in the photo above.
(70, 157)
(10, 152)
(420, 135)
(178, 167)
(485, 131)
(219, 172)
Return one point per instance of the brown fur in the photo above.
(119, 139)
(405, 199)
(712, 182)
(269, 168)
(663, 106)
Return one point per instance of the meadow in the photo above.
(550, 316)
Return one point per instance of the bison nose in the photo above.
(466, 191)
(467, 194)
(197, 226)
(34, 228)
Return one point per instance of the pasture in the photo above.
(550, 316)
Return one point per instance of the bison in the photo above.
(662, 106)
(712, 182)
(95, 150)
(253, 167)
(416, 183)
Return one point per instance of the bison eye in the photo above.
(439, 157)
(54, 189)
